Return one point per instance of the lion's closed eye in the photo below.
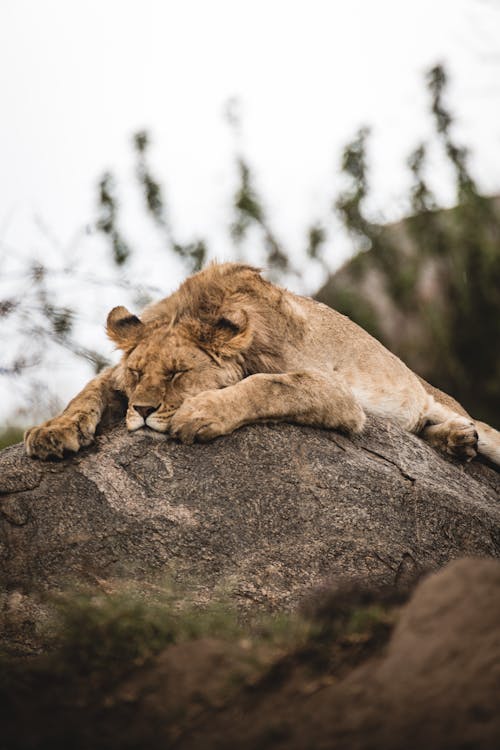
(136, 374)
(171, 376)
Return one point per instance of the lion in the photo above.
(229, 348)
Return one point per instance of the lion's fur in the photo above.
(225, 289)
(229, 347)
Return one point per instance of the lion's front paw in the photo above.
(53, 438)
(200, 418)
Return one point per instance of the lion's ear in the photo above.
(231, 332)
(123, 328)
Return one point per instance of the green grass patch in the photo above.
(94, 639)
(10, 436)
(121, 630)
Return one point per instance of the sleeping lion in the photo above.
(229, 348)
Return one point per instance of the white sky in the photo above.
(77, 78)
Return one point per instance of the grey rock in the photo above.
(262, 515)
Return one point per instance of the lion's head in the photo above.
(165, 362)
(221, 325)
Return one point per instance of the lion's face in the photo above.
(162, 371)
(164, 364)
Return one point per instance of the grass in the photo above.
(10, 436)
(103, 657)
(110, 632)
(107, 635)
(98, 638)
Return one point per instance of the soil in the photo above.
(374, 672)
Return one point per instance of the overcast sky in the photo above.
(78, 77)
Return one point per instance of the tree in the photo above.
(457, 322)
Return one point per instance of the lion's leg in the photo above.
(489, 442)
(76, 426)
(305, 397)
(450, 432)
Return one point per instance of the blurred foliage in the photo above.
(106, 223)
(10, 436)
(192, 253)
(428, 287)
(112, 632)
(250, 212)
(438, 270)
(97, 637)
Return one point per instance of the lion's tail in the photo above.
(489, 441)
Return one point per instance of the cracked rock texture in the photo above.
(262, 515)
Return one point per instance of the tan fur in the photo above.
(229, 348)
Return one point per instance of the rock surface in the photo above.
(262, 515)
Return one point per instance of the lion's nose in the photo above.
(144, 411)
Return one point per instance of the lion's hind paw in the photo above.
(462, 439)
(457, 437)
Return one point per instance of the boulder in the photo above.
(260, 516)
(434, 685)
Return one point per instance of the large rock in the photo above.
(434, 686)
(262, 515)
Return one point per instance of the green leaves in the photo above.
(455, 253)
(249, 211)
(108, 218)
(349, 203)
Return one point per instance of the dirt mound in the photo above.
(373, 674)
(435, 686)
